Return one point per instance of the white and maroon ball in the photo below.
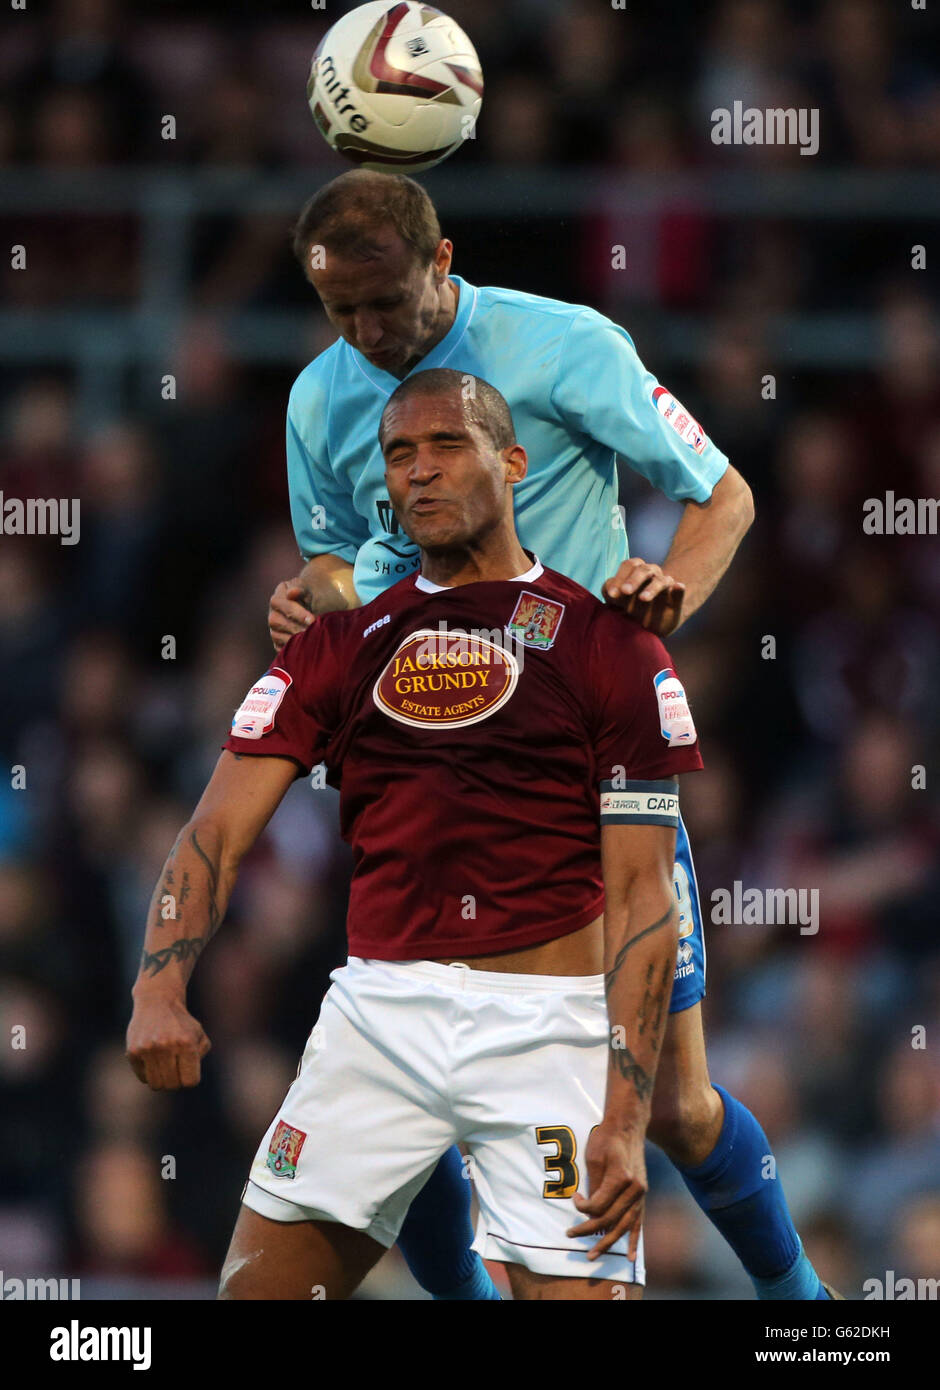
(395, 86)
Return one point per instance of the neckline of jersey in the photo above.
(530, 576)
(438, 355)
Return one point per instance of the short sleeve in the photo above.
(642, 723)
(324, 518)
(290, 712)
(604, 392)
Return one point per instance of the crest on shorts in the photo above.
(284, 1150)
(535, 620)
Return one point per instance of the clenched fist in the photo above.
(165, 1044)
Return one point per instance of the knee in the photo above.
(232, 1278)
(686, 1121)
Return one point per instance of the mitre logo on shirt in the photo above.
(255, 715)
(446, 679)
(535, 620)
(684, 424)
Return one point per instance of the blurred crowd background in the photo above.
(597, 112)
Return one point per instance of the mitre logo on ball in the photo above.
(395, 86)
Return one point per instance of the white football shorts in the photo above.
(408, 1058)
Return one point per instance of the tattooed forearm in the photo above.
(630, 1069)
(215, 916)
(654, 1001)
(659, 1002)
(645, 1002)
(182, 950)
(164, 888)
(638, 991)
(610, 978)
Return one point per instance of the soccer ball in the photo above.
(395, 86)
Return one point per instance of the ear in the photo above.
(517, 463)
(442, 259)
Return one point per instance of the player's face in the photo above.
(446, 480)
(389, 308)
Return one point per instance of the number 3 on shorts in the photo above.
(562, 1161)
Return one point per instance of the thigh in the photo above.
(532, 1097)
(526, 1284)
(366, 1120)
(295, 1261)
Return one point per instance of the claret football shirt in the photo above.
(470, 731)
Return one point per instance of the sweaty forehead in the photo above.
(426, 414)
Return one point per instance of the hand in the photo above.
(616, 1168)
(289, 611)
(645, 594)
(165, 1044)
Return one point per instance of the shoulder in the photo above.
(555, 314)
(604, 622)
(552, 315)
(313, 385)
(569, 591)
(576, 606)
(613, 630)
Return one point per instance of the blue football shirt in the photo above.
(579, 396)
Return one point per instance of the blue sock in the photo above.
(436, 1237)
(749, 1209)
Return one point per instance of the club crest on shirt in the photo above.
(446, 679)
(535, 620)
(684, 424)
(284, 1150)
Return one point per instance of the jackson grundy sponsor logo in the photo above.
(446, 679)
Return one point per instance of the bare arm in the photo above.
(640, 940)
(661, 598)
(324, 585)
(165, 1044)
(707, 537)
(641, 926)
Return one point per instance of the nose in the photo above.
(423, 467)
(368, 329)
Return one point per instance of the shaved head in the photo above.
(482, 403)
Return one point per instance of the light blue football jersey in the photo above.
(579, 395)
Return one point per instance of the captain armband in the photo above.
(640, 803)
